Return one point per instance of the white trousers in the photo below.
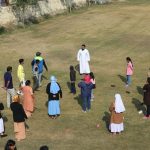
(10, 94)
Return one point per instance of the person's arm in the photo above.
(32, 63)
(48, 88)
(111, 108)
(144, 88)
(80, 85)
(23, 112)
(45, 65)
(60, 91)
(78, 56)
(88, 56)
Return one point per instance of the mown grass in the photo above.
(111, 32)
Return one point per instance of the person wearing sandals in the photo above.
(54, 92)
(116, 121)
(146, 98)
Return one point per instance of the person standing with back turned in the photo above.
(40, 65)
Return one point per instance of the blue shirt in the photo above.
(8, 77)
(86, 89)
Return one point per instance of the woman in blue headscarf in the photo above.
(54, 92)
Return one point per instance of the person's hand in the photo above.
(5, 88)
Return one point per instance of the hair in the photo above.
(71, 68)
(83, 45)
(148, 80)
(28, 82)
(92, 75)
(38, 53)
(10, 143)
(44, 147)
(9, 68)
(129, 60)
(21, 61)
(37, 61)
(16, 98)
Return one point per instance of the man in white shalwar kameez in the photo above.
(83, 57)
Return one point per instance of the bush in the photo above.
(2, 30)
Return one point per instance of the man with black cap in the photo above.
(40, 65)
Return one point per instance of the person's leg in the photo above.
(73, 88)
(12, 94)
(89, 102)
(40, 78)
(84, 99)
(8, 98)
(148, 111)
(128, 79)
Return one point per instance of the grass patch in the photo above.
(111, 33)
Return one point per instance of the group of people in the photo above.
(22, 102)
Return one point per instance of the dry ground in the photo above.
(111, 32)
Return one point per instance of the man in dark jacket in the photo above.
(86, 89)
(146, 99)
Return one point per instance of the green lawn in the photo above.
(111, 33)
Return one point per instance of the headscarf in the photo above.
(119, 106)
(87, 79)
(54, 88)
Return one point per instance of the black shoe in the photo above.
(3, 135)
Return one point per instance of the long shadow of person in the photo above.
(140, 90)
(46, 103)
(77, 68)
(123, 79)
(68, 85)
(139, 106)
(78, 98)
(106, 119)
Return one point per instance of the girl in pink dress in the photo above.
(129, 70)
(28, 99)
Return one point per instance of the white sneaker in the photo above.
(83, 111)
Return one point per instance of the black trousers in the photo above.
(73, 88)
(148, 110)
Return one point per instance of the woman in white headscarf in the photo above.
(116, 121)
(54, 92)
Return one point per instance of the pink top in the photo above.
(129, 70)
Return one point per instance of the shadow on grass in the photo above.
(106, 119)
(44, 77)
(140, 90)
(5, 119)
(123, 79)
(78, 98)
(77, 68)
(139, 106)
(46, 103)
(69, 85)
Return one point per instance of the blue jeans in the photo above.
(86, 103)
(128, 79)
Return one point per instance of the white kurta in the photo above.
(83, 57)
(1, 126)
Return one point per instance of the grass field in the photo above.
(111, 33)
